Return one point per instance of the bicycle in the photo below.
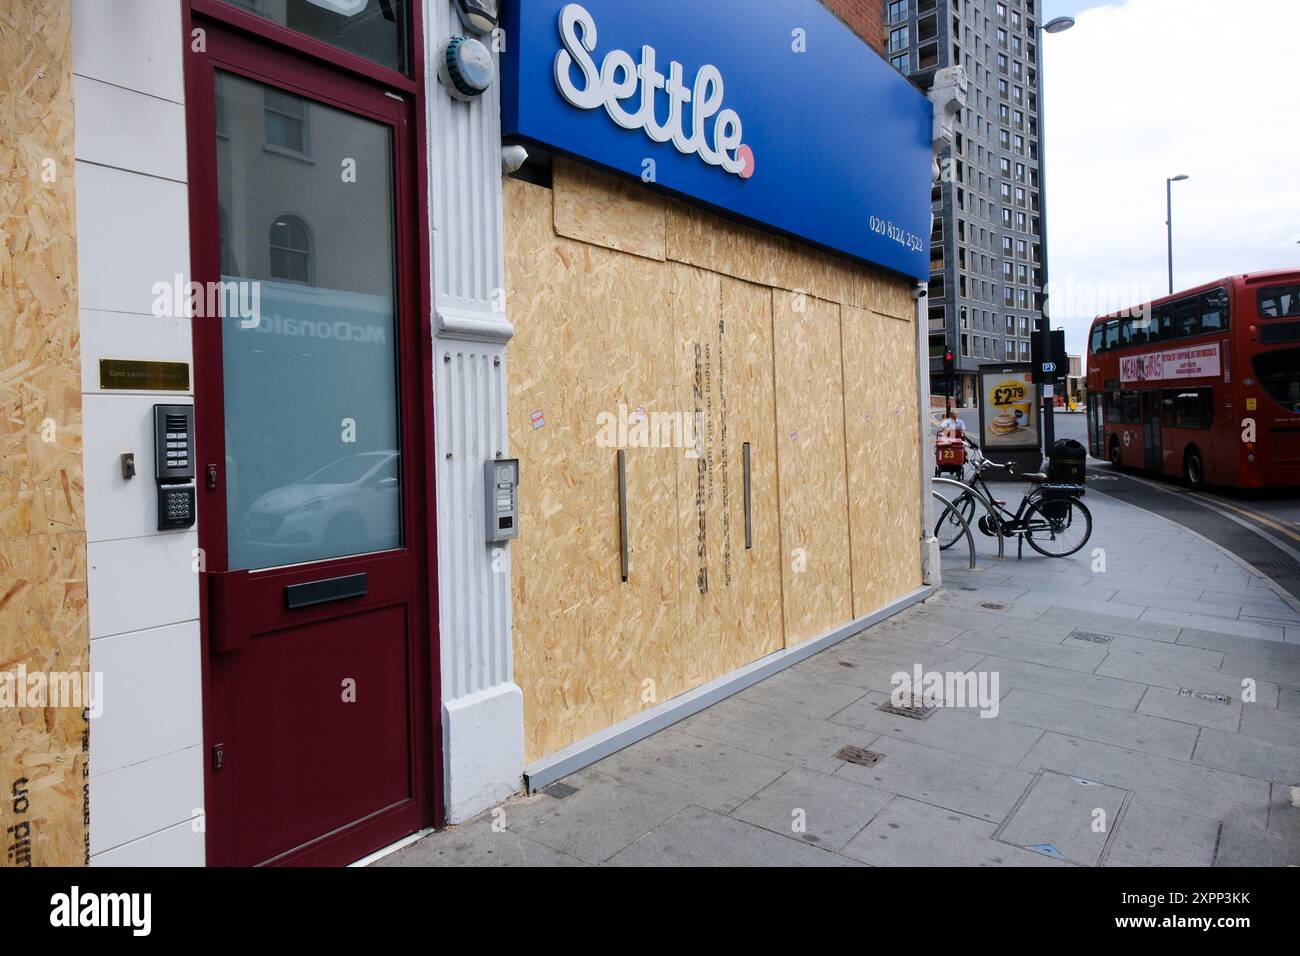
(1050, 517)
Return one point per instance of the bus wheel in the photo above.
(1194, 468)
(1116, 461)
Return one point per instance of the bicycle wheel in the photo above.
(1058, 529)
(948, 529)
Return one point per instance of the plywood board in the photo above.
(592, 346)
(811, 467)
(43, 785)
(730, 594)
(604, 210)
(883, 447)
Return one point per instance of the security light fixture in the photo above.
(481, 16)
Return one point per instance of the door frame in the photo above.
(272, 54)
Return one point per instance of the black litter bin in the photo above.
(1068, 460)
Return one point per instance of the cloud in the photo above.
(1145, 89)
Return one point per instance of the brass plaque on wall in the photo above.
(139, 375)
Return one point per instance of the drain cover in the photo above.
(859, 756)
(1204, 695)
(917, 711)
(1092, 636)
(560, 790)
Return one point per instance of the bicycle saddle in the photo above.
(1036, 477)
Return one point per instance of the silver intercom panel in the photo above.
(501, 478)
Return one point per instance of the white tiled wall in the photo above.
(146, 749)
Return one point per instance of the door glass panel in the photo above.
(375, 29)
(309, 329)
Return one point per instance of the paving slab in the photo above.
(1275, 726)
(1151, 835)
(1175, 676)
(1244, 845)
(478, 844)
(1071, 685)
(906, 654)
(1133, 731)
(1066, 818)
(1284, 812)
(957, 731)
(1110, 624)
(1288, 699)
(1169, 703)
(1247, 756)
(811, 807)
(1075, 657)
(799, 692)
(1150, 650)
(600, 817)
(911, 833)
(707, 774)
(1283, 673)
(1172, 783)
(700, 837)
(787, 738)
(963, 784)
(992, 622)
(1240, 628)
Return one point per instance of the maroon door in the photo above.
(312, 420)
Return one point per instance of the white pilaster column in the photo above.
(482, 708)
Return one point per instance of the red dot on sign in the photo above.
(746, 154)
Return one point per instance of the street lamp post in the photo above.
(1058, 25)
(1169, 221)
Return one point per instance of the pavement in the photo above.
(1148, 714)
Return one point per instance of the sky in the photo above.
(1140, 90)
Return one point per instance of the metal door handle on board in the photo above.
(622, 513)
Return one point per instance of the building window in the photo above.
(287, 123)
(895, 11)
(291, 252)
(898, 39)
(902, 62)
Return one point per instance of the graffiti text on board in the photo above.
(619, 78)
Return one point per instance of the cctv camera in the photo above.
(920, 292)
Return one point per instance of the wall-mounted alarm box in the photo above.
(501, 477)
(173, 470)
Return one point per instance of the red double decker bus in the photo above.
(1180, 387)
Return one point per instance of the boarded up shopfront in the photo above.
(641, 320)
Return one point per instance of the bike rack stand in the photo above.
(988, 507)
(970, 538)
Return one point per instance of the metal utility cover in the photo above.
(1204, 695)
(1056, 815)
(916, 711)
(859, 756)
(1092, 637)
(560, 790)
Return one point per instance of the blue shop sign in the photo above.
(773, 112)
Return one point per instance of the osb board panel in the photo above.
(602, 209)
(42, 541)
(882, 446)
(590, 649)
(730, 595)
(810, 461)
(699, 238)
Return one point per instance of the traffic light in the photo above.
(948, 362)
